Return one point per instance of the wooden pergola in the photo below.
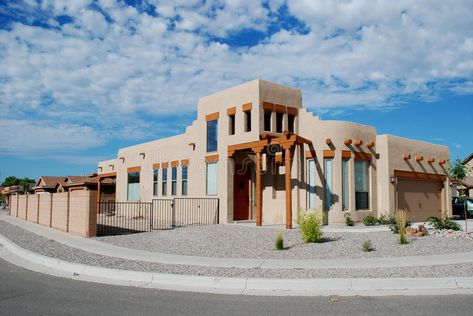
(100, 177)
(288, 142)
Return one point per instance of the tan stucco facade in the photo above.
(333, 140)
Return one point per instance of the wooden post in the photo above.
(288, 167)
(259, 191)
(99, 179)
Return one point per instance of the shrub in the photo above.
(310, 226)
(370, 220)
(401, 220)
(439, 223)
(367, 246)
(279, 243)
(393, 226)
(383, 220)
(349, 221)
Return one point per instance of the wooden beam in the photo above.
(410, 175)
(133, 169)
(370, 144)
(278, 108)
(212, 116)
(358, 142)
(156, 166)
(164, 165)
(231, 111)
(211, 158)
(292, 111)
(363, 156)
(328, 141)
(431, 160)
(329, 154)
(346, 154)
(268, 106)
(442, 161)
(184, 162)
(250, 145)
(419, 158)
(309, 154)
(347, 142)
(247, 107)
(259, 191)
(107, 175)
(406, 156)
(174, 163)
(288, 167)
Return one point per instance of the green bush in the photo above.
(370, 220)
(401, 220)
(367, 246)
(310, 226)
(393, 226)
(349, 221)
(439, 223)
(279, 243)
(383, 220)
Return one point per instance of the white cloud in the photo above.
(355, 53)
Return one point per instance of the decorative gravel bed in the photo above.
(233, 241)
(52, 248)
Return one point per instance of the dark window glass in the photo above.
(267, 120)
(155, 182)
(248, 121)
(290, 122)
(279, 121)
(184, 180)
(212, 135)
(231, 124)
(173, 180)
(362, 184)
(165, 181)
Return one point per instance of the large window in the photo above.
(248, 121)
(133, 186)
(311, 184)
(328, 183)
(212, 129)
(184, 181)
(212, 178)
(173, 180)
(362, 184)
(155, 182)
(267, 120)
(279, 122)
(290, 123)
(231, 124)
(165, 182)
(345, 184)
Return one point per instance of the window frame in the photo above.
(279, 122)
(247, 121)
(207, 182)
(345, 184)
(328, 195)
(137, 174)
(212, 140)
(155, 182)
(267, 120)
(184, 180)
(173, 181)
(164, 181)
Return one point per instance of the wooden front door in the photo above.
(241, 194)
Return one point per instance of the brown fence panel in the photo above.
(59, 210)
(22, 206)
(32, 210)
(45, 209)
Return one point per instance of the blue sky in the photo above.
(81, 79)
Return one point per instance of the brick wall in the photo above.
(74, 212)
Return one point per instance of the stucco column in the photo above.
(259, 190)
(99, 180)
(288, 167)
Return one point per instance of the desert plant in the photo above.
(310, 226)
(279, 243)
(393, 226)
(349, 221)
(439, 223)
(370, 220)
(367, 246)
(383, 220)
(401, 219)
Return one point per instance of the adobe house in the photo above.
(257, 149)
(48, 184)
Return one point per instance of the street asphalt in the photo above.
(23, 292)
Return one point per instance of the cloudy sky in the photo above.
(80, 79)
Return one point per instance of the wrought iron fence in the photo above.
(118, 218)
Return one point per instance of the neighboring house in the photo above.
(48, 184)
(264, 156)
(467, 184)
(90, 183)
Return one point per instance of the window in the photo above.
(184, 180)
(279, 122)
(290, 123)
(231, 124)
(267, 120)
(165, 182)
(311, 184)
(328, 183)
(362, 184)
(212, 178)
(133, 186)
(212, 128)
(173, 180)
(247, 121)
(155, 182)
(345, 184)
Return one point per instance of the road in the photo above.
(23, 292)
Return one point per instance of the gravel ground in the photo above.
(234, 241)
(52, 248)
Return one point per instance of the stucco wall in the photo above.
(14, 205)
(60, 211)
(32, 210)
(45, 209)
(22, 207)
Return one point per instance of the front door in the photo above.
(241, 194)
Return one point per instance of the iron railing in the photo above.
(118, 218)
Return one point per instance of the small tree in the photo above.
(457, 173)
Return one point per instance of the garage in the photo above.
(420, 196)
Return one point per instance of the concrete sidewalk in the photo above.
(243, 286)
(105, 249)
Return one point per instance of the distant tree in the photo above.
(9, 181)
(457, 172)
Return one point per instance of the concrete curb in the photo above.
(242, 286)
(105, 249)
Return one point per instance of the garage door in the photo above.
(421, 199)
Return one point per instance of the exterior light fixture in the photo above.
(393, 180)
